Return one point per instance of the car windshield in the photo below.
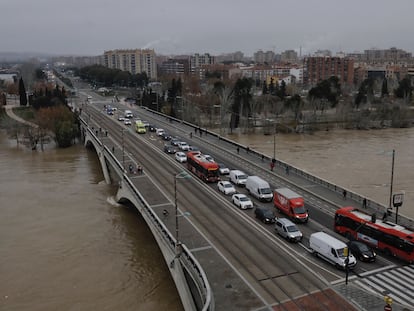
(228, 185)
(242, 176)
(268, 214)
(292, 228)
(362, 247)
(266, 191)
(341, 252)
(244, 199)
(300, 210)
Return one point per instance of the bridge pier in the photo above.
(100, 150)
(104, 166)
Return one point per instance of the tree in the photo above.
(404, 89)
(60, 121)
(325, 91)
(22, 93)
(295, 104)
(242, 97)
(384, 88)
(225, 96)
(282, 90)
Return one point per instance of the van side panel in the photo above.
(259, 188)
(326, 247)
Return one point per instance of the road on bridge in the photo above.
(262, 270)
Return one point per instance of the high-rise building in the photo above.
(289, 56)
(178, 67)
(197, 61)
(134, 61)
(322, 68)
(261, 57)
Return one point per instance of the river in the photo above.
(358, 160)
(66, 245)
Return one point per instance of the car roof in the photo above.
(285, 221)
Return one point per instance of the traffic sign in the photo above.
(398, 199)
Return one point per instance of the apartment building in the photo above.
(176, 67)
(197, 61)
(261, 57)
(322, 68)
(289, 56)
(134, 61)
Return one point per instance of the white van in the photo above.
(238, 177)
(128, 114)
(259, 188)
(159, 131)
(331, 249)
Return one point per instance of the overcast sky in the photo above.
(90, 27)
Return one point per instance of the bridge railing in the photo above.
(187, 259)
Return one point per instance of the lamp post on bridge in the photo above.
(181, 175)
(123, 150)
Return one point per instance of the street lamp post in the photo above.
(181, 175)
(274, 145)
(123, 150)
(392, 181)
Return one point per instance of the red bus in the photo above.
(389, 237)
(203, 168)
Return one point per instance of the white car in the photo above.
(226, 187)
(121, 118)
(242, 201)
(180, 157)
(182, 145)
(224, 170)
(127, 122)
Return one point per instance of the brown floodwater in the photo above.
(358, 160)
(66, 245)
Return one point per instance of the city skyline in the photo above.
(92, 27)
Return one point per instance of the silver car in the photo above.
(287, 229)
(226, 187)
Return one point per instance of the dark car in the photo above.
(169, 149)
(152, 128)
(265, 215)
(166, 136)
(362, 251)
(175, 140)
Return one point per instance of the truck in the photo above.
(140, 127)
(291, 204)
(332, 250)
(259, 188)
